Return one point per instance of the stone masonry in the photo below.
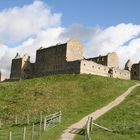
(68, 58)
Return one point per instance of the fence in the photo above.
(89, 128)
(30, 131)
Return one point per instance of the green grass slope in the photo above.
(124, 120)
(75, 95)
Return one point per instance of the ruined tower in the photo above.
(58, 59)
(128, 65)
(21, 67)
(135, 71)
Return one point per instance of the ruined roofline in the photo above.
(21, 57)
(137, 63)
(100, 56)
(96, 57)
(53, 46)
(57, 45)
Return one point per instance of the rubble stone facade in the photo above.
(66, 58)
(135, 71)
(109, 60)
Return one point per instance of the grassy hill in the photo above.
(124, 119)
(75, 95)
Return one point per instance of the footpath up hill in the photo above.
(75, 95)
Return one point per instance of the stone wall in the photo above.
(74, 50)
(16, 68)
(110, 60)
(50, 60)
(121, 74)
(59, 58)
(135, 71)
(90, 67)
(100, 60)
(21, 67)
(66, 58)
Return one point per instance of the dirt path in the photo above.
(71, 131)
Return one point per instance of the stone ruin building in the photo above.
(67, 58)
(135, 71)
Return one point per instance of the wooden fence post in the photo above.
(24, 134)
(91, 124)
(41, 118)
(88, 129)
(44, 124)
(60, 116)
(32, 132)
(10, 135)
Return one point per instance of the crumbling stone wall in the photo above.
(121, 74)
(16, 68)
(128, 65)
(66, 58)
(21, 67)
(90, 67)
(135, 71)
(110, 60)
(50, 60)
(58, 59)
(74, 50)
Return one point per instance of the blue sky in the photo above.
(89, 12)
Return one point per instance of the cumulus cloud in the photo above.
(20, 22)
(80, 32)
(123, 39)
(25, 29)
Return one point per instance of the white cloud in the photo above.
(28, 28)
(80, 32)
(122, 38)
(20, 22)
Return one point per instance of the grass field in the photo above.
(75, 95)
(124, 120)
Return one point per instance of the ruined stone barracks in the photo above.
(68, 58)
